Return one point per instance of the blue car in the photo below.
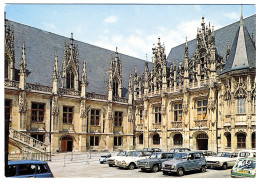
(28, 169)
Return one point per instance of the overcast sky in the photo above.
(132, 28)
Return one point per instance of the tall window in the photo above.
(38, 112)
(228, 136)
(95, 117)
(202, 109)
(38, 137)
(67, 114)
(115, 88)
(94, 140)
(156, 139)
(118, 119)
(157, 114)
(141, 116)
(70, 79)
(8, 106)
(117, 141)
(241, 105)
(141, 139)
(177, 139)
(253, 105)
(241, 140)
(177, 112)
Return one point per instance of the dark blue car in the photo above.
(28, 169)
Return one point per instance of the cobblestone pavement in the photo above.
(79, 166)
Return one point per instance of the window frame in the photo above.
(95, 139)
(94, 117)
(178, 114)
(37, 117)
(67, 119)
(118, 140)
(241, 141)
(157, 114)
(202, 114)
(118, 120)
(241, 105)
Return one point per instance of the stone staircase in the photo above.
(29, 145)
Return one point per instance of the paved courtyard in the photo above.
(84, 166)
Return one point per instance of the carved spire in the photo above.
(84, 73)
(130, 83)
(55, 67)
(186, 49)
(228, 50)
(241, 17)
(23, 61)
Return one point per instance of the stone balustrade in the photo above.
(11, 83)
(42, 88)
(201, 123)
(28, 140)
(64, 91)
(176, 124)
(120, 99)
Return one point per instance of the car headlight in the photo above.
(146, 163)
(217, 162)
(173, 166)
(163, 165)
(123, 162)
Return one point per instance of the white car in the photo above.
(222, 159)
(130, 161)
(112, 160)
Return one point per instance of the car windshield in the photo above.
(156, 155)
(223, 154)
(245, 164)
(121, 154)
(130, 153)
(180, 156)
(134, 154)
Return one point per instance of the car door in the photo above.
(43, 171)
(191, 163)
(26, 170)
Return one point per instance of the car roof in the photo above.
(25, 162)
(190, 152)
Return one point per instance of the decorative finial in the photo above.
(241, 16)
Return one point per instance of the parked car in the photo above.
(246, 153)
(176, 150)
(28, 169)
(112, 160)
(208, 153)
(185, 161)
(244, 167)
(152, 149)
(154, 162)
(222, 159)
(130, 161)
(103, 158)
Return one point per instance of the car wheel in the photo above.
(110, 165)
(165, 172)
(155, 168)
(203, 169)
(131, 166)
(143, 169)
(180, 171)
(224, 166)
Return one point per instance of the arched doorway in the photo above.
(177, 139)
(202, 141)
(66, 144)
(253, 140)
(156, 139)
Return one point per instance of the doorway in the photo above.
(202, 141)
(66, 144)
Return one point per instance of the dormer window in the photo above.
(115, 88)
(70, 79)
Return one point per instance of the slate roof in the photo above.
(222, 36)
(243, 53)
(40, 50)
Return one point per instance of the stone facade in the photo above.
(201, 103)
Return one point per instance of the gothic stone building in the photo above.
(74, 96)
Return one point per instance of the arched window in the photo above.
(70, 79)
(177, 139)
(241, 140)
(253, 140)
(141, 139)
(115, 88)
(228, 137)
(156, 139)
(241, 105)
